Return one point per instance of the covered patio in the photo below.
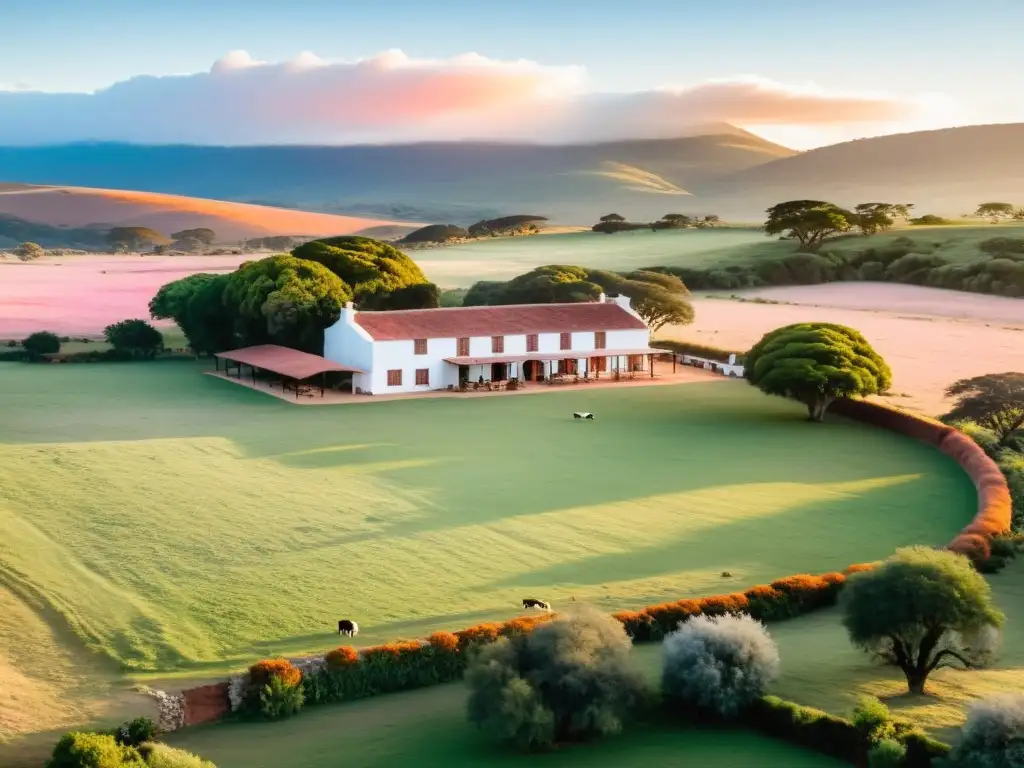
(554, 368)
(294, 368)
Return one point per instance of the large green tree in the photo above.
(816, 363)
(920, 610)
(285, 300)
(995, 212)
(204, 235)
(808, 221)
(658, 298)
(369, 267)
(871, 218)
(134, 338)
(134, 238)
(995, 400)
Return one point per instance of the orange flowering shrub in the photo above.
(261, 672)
(859, 568)
(762, 592)
(480, 633)
(444, 641)
(717, 605)
(522, 625)
(343, 656)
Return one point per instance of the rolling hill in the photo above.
(79, 216)
(453, 182)
(946, 171)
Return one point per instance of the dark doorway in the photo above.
(533, 370)
(499, 371)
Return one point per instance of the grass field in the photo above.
(820, 668)
(428, 728)
(177, 522)
(500, 259)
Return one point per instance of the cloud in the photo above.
(392, 97)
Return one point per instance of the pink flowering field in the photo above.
(80, 295)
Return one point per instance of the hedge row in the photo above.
(782, 599)
(833, 735)
(995, 506)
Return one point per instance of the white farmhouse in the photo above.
(428, 349)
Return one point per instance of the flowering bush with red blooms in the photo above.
(344, 656)
(522, 625)
(261, 672)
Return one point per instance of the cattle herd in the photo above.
(350, 628)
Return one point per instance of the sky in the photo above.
(801, 72)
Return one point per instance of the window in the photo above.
(599, 340)
(532, 343)
(395, 378)
(497, 343)
(463, 347)
(422, 377)
(420, 346)
(565, 341)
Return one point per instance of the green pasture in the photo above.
(180, 524)
(428, 728)
(820, 668)
(460, 266)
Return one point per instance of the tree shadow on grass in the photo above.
(857, 526)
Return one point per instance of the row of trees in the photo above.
(658, 298)
(145, 238)
(811, 222)
(613, 222)
(290, 299)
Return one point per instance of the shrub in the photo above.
(279, 699)
(871, 717)
(41, 343)
(262, 672)
(159, 755)
(569, 679)
(93, 750)
(344, 656)
(135, 732)
(993, 736)
(29, 251)
(444, 641)
(888, 753)
(813, 728)
(722, 664)
(134, 338)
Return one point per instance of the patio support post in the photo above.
(323, 382)
(673, 363)
(253, 376)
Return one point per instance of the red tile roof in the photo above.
(283, 360)
(506, 320)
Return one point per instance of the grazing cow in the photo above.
(346, 627)
(539, 604)
(583, 415)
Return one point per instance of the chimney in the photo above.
(349, 312)
(601, 299)
(732, 359)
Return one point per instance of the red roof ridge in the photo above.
(483, 306)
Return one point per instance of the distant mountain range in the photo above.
(440, 182)
(77, 217)
(723, 170)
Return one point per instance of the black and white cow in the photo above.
(346, 627)
(529, 602)
(583, 415)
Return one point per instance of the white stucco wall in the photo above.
(348, 343)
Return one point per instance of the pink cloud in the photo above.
(392, 97)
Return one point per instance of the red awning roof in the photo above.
(505, 320)
(287, 362)
(563, 354)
